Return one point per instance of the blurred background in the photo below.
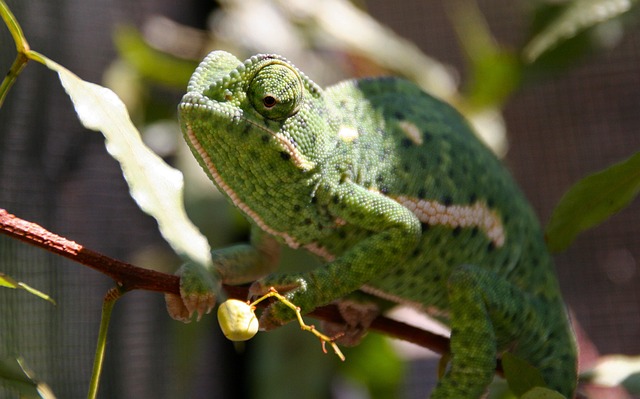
(555, 113)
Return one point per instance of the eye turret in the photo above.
(276, 91)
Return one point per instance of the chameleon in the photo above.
(391, 189)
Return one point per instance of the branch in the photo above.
(130, 277)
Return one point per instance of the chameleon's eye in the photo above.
(269, 101)
(276, 91)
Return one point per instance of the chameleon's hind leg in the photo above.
(488, 316)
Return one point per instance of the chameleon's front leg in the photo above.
(237, 264)
(395, 233)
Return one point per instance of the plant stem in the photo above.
(22, 46)
(107, 307)
(18, 65)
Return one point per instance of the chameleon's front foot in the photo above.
(197, 293)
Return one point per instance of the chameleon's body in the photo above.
(390, 187)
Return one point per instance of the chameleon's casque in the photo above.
(393, 191)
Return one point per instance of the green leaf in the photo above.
(578, 16)
(154, 185)
(10, 282)
(542, 393)
(592, 200)
(520, 375)
(376, 365)
(15, 374)
(617, 370)
(151, 63)
(495, 71)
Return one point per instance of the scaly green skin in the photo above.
(389, 187)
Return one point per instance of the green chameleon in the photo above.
(391, 189)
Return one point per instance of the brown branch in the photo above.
(131, 277)
(128, 276)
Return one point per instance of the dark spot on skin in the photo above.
(464, 169)
(422, 160)
(285, 155)
(406, 143)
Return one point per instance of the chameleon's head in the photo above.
(250, 118)
(252, 127)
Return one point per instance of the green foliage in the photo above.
(153, 184)
(592, 200)
(520, 375)
(542, 393)
(494, 70)
(376, 365)
(10, 282)
(152, 64)
(14, 373)
(566, 20)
